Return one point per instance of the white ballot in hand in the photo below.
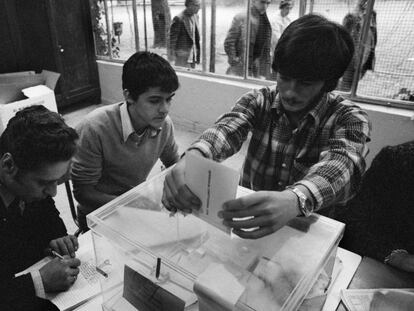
(213, 183)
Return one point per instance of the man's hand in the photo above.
(403, 261)
(176, 195)
(267, 212)
(59, 274)
(66, 245)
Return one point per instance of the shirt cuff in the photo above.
(38, 284)
(202, 148)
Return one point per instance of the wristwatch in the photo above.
(305, 205)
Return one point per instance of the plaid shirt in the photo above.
(325, 153)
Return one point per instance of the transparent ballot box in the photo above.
(157, 261)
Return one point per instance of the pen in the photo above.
(157, 270)
(101, 272)
(56, 254)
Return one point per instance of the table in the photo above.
(374, 274)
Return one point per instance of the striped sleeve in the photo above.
(337, 175)
(230, 130)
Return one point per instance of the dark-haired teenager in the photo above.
(308, 145)
(120, 143)
(35, 154)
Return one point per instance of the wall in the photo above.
(200, 100)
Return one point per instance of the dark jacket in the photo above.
(235, 45)
(353, 24)
(182, 40)
(23, 240)
(380, 218)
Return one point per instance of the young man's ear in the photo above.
(127, 96)
(7, 164)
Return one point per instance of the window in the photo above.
(384, 52)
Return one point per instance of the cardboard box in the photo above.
(19, 90)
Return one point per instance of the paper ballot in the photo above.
(213, 183)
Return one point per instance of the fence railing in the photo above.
(382, 71)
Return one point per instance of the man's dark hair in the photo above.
(313, 48)
(189, 2)
(145, 70)
(285, 3)
(36, 136)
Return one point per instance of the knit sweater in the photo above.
(109, 163)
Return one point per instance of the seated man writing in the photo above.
(35, 153)
(120, 143)
(308, 145)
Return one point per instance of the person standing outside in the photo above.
(308, 146)
(35, 155)
(120, 143)
(184, 43)
(281, 21)
(259, 45)
(353, 22)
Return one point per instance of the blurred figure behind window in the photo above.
(259, 46)
(353, 23)
(184, 45)
(281, 21)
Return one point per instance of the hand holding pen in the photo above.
(98, 269)
(60, 273)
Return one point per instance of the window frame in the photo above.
(352, 95)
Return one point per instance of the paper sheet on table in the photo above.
(87, 284)
(378, 299)
(350, 262)
(219, 285)
(213, 183)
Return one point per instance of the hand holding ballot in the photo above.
(252, 216)
(200, 186)
(176, 194)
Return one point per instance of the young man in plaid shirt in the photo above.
(308, 145)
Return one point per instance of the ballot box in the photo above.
(152, 260)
